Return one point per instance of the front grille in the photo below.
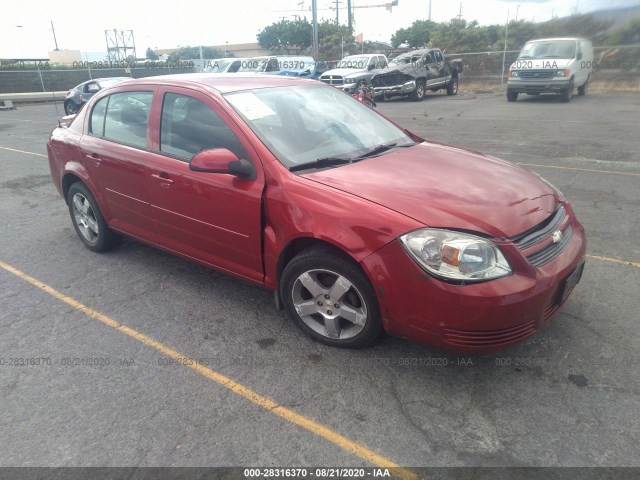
(544, 232)
(540, 231)
(488, 338)
(390, 80)
(536, 74)
(545, 255)
(332, 79)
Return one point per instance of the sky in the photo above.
(25, 27)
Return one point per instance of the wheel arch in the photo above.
(300, 244)
(68, 180)
(297, 245)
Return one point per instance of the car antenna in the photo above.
(55, 104)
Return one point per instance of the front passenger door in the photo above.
(212, 217)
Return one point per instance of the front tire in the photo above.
(582, 90)
(567, 94)
(512, 96)
(88, 220)
(452, 87)
(330, 299)
(418, 94)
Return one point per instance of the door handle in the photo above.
(163, 178)
(95, 157)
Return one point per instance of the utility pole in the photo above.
(460, 14)
(54, 36)
(429, 18)
(349, 21)
(337, 13)
(314, 15)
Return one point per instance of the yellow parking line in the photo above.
(581, 169)
(260, 400)
(615, 260)
(22, 151)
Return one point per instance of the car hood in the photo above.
(446, 187)
(344, 71)
(404, 73)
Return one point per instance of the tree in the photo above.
(627, 35)
(334, 39)
(417, 35)
(191, 53)
(290, 37)
(151, 55)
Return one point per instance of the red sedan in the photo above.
(355, 223)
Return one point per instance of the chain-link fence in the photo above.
(26, 77)
(489, 67)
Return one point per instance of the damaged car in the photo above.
(413, 73)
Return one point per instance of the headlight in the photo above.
(349, 80)
(562, 73)
(455, 256)
(514, 73)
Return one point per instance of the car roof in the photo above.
(224, 82)
(555, 38)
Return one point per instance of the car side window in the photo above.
(189, 126)
(96, 121)
(127, 118)
(383, 62)
(438, 56)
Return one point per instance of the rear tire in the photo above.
(88, 221)
(512, 96)
(329, 298)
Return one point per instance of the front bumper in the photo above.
(538, 86)
(478, 317)
(348, 87)
(403, 89)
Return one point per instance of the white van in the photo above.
(551, 65)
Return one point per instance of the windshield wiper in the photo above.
(376, 150)
(320, 162)
(382, 148)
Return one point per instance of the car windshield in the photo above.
(306, 123)
(405, 59)
(354, 62)
(218, 65)
(549, 49)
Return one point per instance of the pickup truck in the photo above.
(354, 71)
(413, 73)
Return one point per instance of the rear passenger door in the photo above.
(114, 151)
(213, 217)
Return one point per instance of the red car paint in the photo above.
(360, 208)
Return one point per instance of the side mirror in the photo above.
(579, 57)
(221, 160)
(371, 67)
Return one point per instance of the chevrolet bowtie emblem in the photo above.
(557, 236)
